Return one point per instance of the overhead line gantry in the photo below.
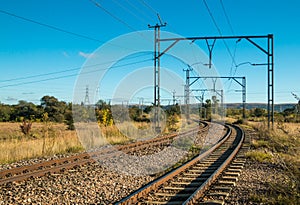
(269, 51)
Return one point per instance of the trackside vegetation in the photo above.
(278, 148)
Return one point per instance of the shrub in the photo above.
(26, 127)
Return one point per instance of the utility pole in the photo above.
(187, 92)
(157, 56)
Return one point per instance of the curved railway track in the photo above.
(188, 183)
(58, 165)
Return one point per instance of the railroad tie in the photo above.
(191, 184)
(175, 195)
(197, 175)
(229, 178)
(194, 179)
(234, 170)
(183, 183)
(222, 188)
(164, 202)
(212, 202)
(180, 188)
(226, 183)
(218, 193)
(233, 174)
(236, 166)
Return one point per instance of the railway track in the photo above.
(58, 165)
(188, 183)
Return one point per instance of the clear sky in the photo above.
(38, 60)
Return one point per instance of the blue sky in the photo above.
(36, 60)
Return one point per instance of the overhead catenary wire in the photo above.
(227, 17)
(231, 67)
(219, 30)
(234, 52)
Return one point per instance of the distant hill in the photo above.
(277, 107)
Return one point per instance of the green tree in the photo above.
(5, 112)
(69, 121)
(135, 113)
(173, 110)
(259, 112)
(24, 110)
(101, 105)
(55, 109)
(207, 109)
(215, 104)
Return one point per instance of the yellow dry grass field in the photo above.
(287, 128)
(43, 140)
(46, 139)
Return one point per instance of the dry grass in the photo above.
(11, 130)
(260, 156)
(281, 148)
(46, 139)
(57, 142)
(230, 119)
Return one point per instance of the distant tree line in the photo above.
(62, 112)
(57, 110)
(288, 115)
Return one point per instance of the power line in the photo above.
(39, 75)
(148, 6)
(68, 70)
(139, 10)
(112, 15)
(128, 10)
(227, 18)
(51, 27)
(72, 75)
(155, 12)
(117, 18)
(61, 30)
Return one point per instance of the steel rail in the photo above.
(133, 198)
(200, 191)
(57, 165)
(197, 192)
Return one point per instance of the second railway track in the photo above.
(186, 184)
(57, 165)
